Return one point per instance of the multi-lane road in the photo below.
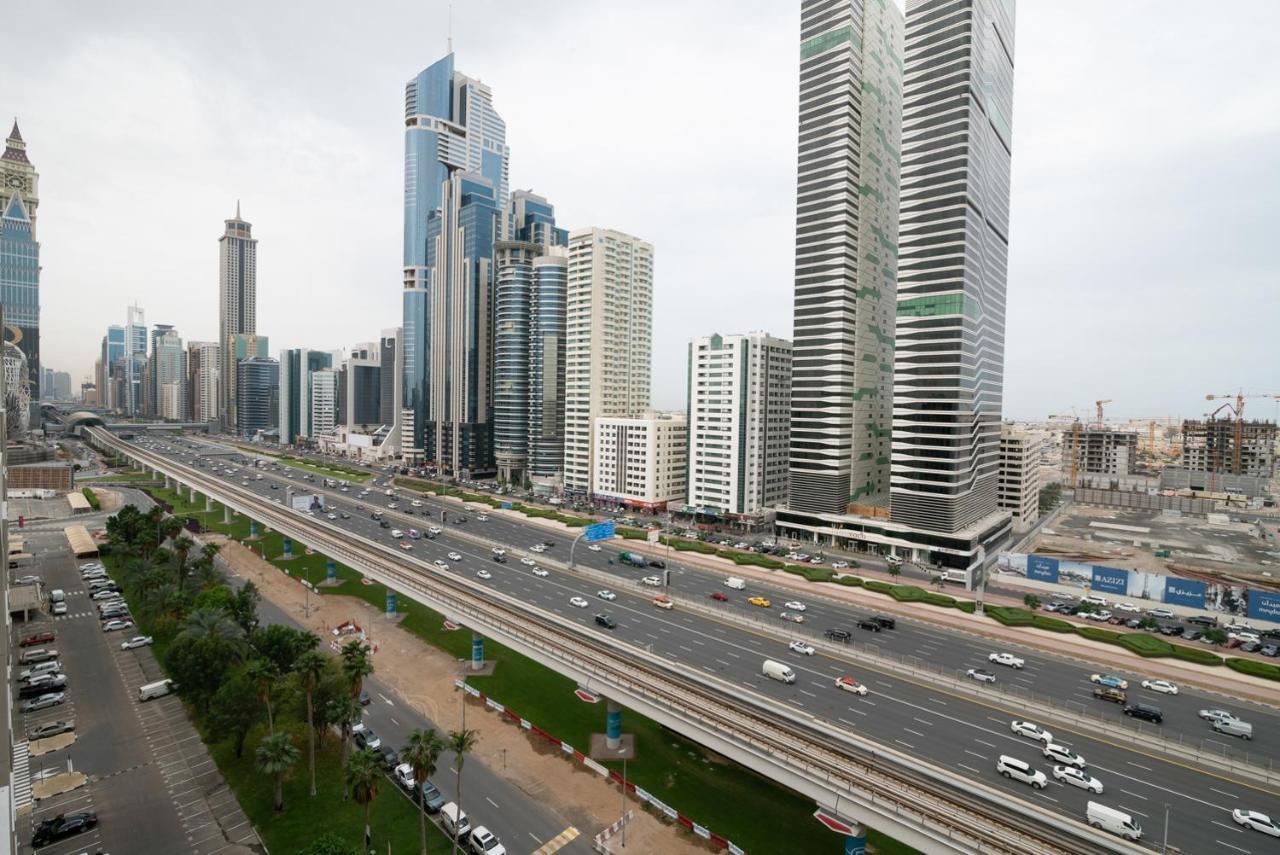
(923, 719)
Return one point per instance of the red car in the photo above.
(719, 597)
(38, 638)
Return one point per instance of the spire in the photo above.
(237, 209)
(15, 134)
(15, 121)
(14, 146)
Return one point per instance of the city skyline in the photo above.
(1132, 291)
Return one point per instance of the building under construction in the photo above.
(1230, 447)
(1101, 451)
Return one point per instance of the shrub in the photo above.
(939, 600)
(1195, 654)
(751, 559)
(966, 606)
(1145, 645)
(851, 581)
(92, 498)
(1096, 634)
(877, 586)
(1052, 624)
(1254, 668)
(1008, 616)
(629, 533)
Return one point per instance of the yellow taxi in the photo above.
(759, 601)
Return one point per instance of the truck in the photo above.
(778, 671)
(633, 559)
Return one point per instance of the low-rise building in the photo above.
(640, 462)
(1018, 488)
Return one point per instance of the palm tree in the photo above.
(169, 529)
(276, 754)
(422, 751)
(212, 623)
(264, 675)
(182, 548)
(209, 550)
(363, 775)
(346, 712)
(460, 742)
(356, 665)
(310, 667)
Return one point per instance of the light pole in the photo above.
(623, 816)
(1164, 847)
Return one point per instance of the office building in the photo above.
(203, 366)
(113, 349)
(258, 393)
(135, 360)
(361, 388)
(46, 383)
(62, 385)
(528, 340)
(1018, 487)
(608, 340)
(739, 425)
(390, 360)
(167, 366)
(89, 395)
(456, 167)
(237, 303)
(20, 260)
(642, 462)
(323, 403)
(297, 366)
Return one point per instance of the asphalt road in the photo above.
(945, 729)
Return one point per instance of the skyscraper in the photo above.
(135, 359)
(957, 145)
(20, 258)
(237, 301)
(168, 373)
(608, 339)
(297, 365)
(846, 224)
(456, 162)
(112, 352)
(203, 365)
(258, 388)
(390, 358)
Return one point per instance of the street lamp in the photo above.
(1164, 847)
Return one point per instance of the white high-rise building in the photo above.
(608, 340)
(739, 423)
(641, 462)
(324, 402)
(1018, 489)
(202, 379)
(135, 356)
(237, 303)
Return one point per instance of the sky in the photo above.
(1146, 172)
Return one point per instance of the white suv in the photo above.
(1012, 767)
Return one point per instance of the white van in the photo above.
(1096, 599)
(155, 690)
(735, 583)
(1115, 821)
(778, 671)
(57, 595)
(455, 821)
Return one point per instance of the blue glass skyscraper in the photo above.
(20, 287)
(455, 190)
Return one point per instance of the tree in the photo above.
(422, 751)
(1031, 601)
(895, 570)
(345, 711)
(181, 549)
(235, 710)
(1215, 635)
(356, 664)
(310, 667)
(208, 645)
(1087, 607)
(363, 776)
(244, 607)
(264, 676)
(1050, 495)
(281, 645)
(276, 755)
(1148, 622)
(329, 844)
(460, 743)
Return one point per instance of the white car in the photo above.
(59, 609)
(1063, 755)
(332, 516)
(454, 556)
(652, 581)
(1162, 686)
(1031, 731)
(483, 574)
(105, 595)
(135, 642)
(1216, 716)
(595, 547)
(1127, 607)
(442, 564)
(539, 572)
(1245, 635)
(1109, 680)
(801, 648)
(1165, 614)
(792, 616)
(417, 503)
(483, 842)
(528, 562)
(537, 547)
(1256, 821)
(839, 565)
(794, 605)
(849, 684)
(1076, 778)
(579, 603)
(113, 625)
(1098, 616)
(606, 595)
(981, 675)
(1006, 659)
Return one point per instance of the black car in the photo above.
(606, 621)
(1171, 629)
(1203, 620)
(1133, 623)
(661, 565)
(838, 634)
(364, 699)
(501, 559)
(432, 800)
(388, 756)
(885, 622)
(383, 524)
(1145, 712)
(41, 685)
(63, 826)
(869, 624)
(548, 543)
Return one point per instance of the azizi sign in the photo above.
(1110, 580)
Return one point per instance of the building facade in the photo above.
(297, 366)
(323, 403)
(168, 368)
(20, 260)
(135, 360)
(608, 340)
(258, 390)
(111, 355)
(1018, 487)
(1214, 446)
(237, 302)
(203, 365)
(739, 424)
(641, 462)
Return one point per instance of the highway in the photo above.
(923, 720)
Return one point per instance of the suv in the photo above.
(885, 622)
(1145, 711)
(838, 635)
(1104, 693)
(1015, 769)
(869, 625)
(606, 621)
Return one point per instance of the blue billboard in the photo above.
(1184, 592)
(1264, 605)
(1110, 580)
(1042, 569)
(598, 531)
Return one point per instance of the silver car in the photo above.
(43, 702)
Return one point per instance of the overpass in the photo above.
(860, 780)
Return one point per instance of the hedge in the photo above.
(1009, 616)
(851, 581)
(751, 559)
(1096, 634)
(1195, 654)
(1254, 668)
(1145, 645)
(878, 586)
(92, 498)
(813, 574)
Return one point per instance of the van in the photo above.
(778, 671)
(1015, 769)
(40, 654)
(1096, 599)
(1234, 727)
(735, 583)
(1115, 821)
(57, 595)
(155, 690)
(455, 821)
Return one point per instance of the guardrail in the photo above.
(955, 812)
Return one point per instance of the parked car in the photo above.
(388, 756)
(62, 826)
(38, 638)
(49, 729)
(43, 702)
(136, 642)
(404, 777)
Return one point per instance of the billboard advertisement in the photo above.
(1109, 580)
(1042, 568)
(1184, 592)
(305, 502)
(1264, 605)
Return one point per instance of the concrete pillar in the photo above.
(168, 483)
(477, 651)
(855, 843)
(208, 503)
(613, 725)
(193, 495)
(226, 515)
(391, 602)
(288, 548)
(331, 570)
(253, 529)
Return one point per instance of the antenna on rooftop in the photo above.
(450, 28)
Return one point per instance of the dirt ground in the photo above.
(422, 676)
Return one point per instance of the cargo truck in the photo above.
(633, 559)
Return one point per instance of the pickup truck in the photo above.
(1006, 659)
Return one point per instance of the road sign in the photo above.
(653, 534)
(598, 531)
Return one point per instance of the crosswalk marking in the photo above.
(21, 776)
(558, 842)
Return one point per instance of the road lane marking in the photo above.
(1227, 827)
(883, 683)
(975, 754)
(807, 692)
(970, 768)
(1131, 810)
(908, 744)
(851, 724)
(1221, 793)
(1229, 846)
(1135, 795)
(914, 732)
(388, 700)
(1144, 768)
(492, 802)
(984, 742)
(922, 721)
(938, 701)
(722, 662)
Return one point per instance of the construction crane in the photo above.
(1237, 410)
(1100, 405)
(1075, 443)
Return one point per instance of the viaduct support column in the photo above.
(226, 515)
(613, 725)
(477, 651)
(208, 503)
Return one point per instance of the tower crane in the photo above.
(1237, 410)
(1100, 405)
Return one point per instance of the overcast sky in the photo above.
(1146, 171)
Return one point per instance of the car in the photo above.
(1145, 712)
(454, 556)
(720, 596)
(528, 562)
(1163, 614)
(105, 595)
(26, 580)
(606, 594)
(652, 581)
(1015, 769)
(345, 515)
(539, 572)
(1077, 778)
(839, 565)
(388, 756)
(537, 547)
(366, 738)
(44, 702)
(406, 545)
(432, 799)
(442, 564)
(397, 533)
(594, 547)
(49, 729)
(62, 826)
(870, 624)
(1216, 715)
(578, 602)
(1162, 686)
(759, 601)
(1272, 650)
(1063, 755)
(113, 625)
(1128, 607)
(331, 516)
(404, 777)
(483, 842)
(802, 648)
(885, 622)
(849, 684)
(1106, 693)
(1109, 680)
(52, 666)
(606, 621)
(483, 574)
(1006, 659)
(365, 699)
(38, 638)
(1250, 647)
(1031, 731)
(841, 635)
(1256, 821)
(981, 675)
(794, 605)
(792, 616)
